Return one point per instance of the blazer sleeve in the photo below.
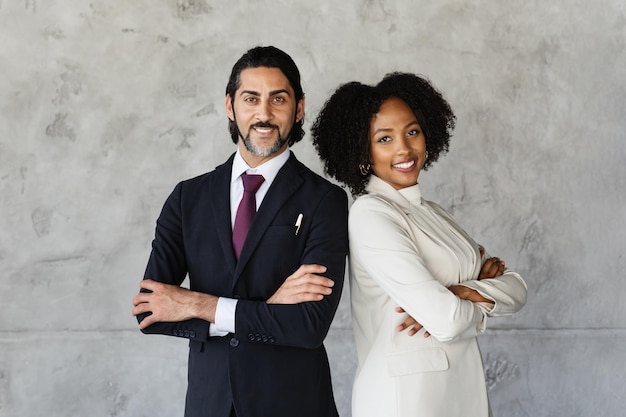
(304, 325)
(167, 264)
(381, 244)
(507, 291)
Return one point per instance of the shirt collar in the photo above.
(268, 169)
(403, 197)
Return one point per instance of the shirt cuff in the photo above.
(224, 317)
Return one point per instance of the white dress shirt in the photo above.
(225, 310)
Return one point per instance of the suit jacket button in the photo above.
(234, 342)
(251, 336)
(264, 338)
(186, 333)
(192, 334)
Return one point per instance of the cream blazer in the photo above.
(405, 251)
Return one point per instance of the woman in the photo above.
(412, 268)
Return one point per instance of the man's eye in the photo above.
(250, 99)
(279, 99)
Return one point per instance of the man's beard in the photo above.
(256, 151)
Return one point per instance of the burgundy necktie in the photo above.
(246, 210)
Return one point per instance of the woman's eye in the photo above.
(414, 132)
(384, 139)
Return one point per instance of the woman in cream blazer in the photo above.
(411, 265)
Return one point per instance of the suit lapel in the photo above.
(220, 202)
(285, 184)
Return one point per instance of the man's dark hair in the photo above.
(269, 57)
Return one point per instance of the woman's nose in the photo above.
(402, 146)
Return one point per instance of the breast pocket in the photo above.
(281, 249)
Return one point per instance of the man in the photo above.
(258, 307)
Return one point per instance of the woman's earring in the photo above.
(364, 169)
(426, 155)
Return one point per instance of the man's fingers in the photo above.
(146, 283)
(307, 269)
(150, 285)
(147, 321)
(311, 289)
(308, 296)
(311, 269)
(317, 289)
(309, 279)
(141, 308)
(141, 298)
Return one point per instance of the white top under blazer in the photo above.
(406, 251)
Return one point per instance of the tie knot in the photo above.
(252, 182)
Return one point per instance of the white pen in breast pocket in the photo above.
(298, 223)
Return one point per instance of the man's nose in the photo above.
(264, 111)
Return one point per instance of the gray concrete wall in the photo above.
(105, 105)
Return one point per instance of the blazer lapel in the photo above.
(285, 184)
(220, 202)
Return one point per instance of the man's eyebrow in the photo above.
(276, 92)
(272, 93)
(254, 93)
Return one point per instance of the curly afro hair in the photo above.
(341, 130)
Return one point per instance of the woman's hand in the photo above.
(468, 294)
(411, 324)
(493, 267)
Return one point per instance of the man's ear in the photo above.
(300, 110)
(229, 108)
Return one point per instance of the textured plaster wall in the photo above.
(105, 105)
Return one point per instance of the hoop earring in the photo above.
(364, 169)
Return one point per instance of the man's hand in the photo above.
(303, 285)
(411, 324)
(493, 267)
(171, 303)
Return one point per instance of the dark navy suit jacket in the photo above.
(275, 364)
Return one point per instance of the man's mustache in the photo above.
(264, 125)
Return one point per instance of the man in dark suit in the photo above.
(259, 306)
